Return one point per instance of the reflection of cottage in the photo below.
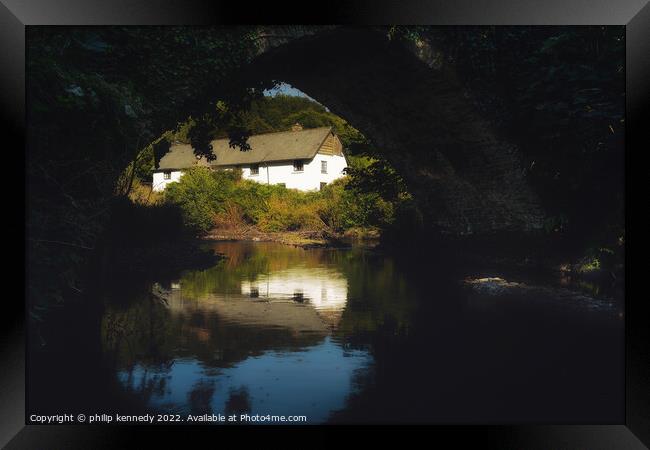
(250, 316)
(323, 289)
(298, 159)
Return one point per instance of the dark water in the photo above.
(354, 336)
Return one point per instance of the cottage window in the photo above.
(255, 169)
(167, 175)
(323, 167)
(298, 166)
(322, 185)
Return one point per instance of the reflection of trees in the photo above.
(147, 333)
(246, 261)
(238, 402)
(378, 295)
(138, 332)
(200, 397)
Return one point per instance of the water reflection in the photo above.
(265, 331)
(314, 381)
(345, 336)
(326, 290)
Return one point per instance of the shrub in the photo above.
(220, 198)
(199, 194)
(292, 211)
(344, 208)
(141, 194)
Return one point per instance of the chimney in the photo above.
(296, 127)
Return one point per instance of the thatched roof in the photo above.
(180, 156)
(269, 147)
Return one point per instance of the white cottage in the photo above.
(299, 159)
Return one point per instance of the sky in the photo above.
(287, 89)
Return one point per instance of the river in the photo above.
(354, 336)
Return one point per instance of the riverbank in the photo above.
(304, 239)
(530, 265)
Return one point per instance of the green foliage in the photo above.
(375, 176)
(601, 258)
(142, 194)
(589, 265)
(219, 198)
(291, 211)
(346, 208)
(200, 194)
(278, 113)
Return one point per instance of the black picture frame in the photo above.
(15, 15)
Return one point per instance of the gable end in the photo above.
(331, 145)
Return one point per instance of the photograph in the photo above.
(290, 226)
(326, 224)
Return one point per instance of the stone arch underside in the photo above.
(465, 179)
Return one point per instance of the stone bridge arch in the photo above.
(465, 178)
